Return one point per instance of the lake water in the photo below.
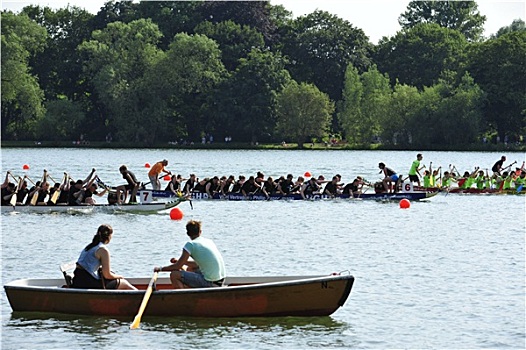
(445, 273)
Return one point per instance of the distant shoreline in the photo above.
(248, 146)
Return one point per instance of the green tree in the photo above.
(22, 98)
(172, 17)
(365, 101)
(320, 46)
(64, 120)
(375, 103)
(116, 60)
(255, 14)
(497, 65)
(235, 41)
(245, 103)
(350, 108)
(59, 67)
(417, 56)
(450, 113)
(404, 105)
(462, 16)
(303, 112)
(181, 83)
(517, 25)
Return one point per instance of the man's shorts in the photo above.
(413, 178)
(196, 280)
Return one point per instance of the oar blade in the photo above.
(137, 320)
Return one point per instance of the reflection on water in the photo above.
(200, 332)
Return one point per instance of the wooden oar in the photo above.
(145, 299)
(58, 190)
(35, 195)
(12, 201)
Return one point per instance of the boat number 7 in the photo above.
(145, 196)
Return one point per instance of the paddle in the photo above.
(145, 299)
(509, 166)
(519, 189)
(160, 177)
(57, 192)
(35, 195)
(12, 201)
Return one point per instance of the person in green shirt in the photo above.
(468, 179)
(427, 179)
(481, 180)
(414, 172)
(520, 181)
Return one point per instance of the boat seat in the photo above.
(66, 269)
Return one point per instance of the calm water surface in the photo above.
(446, 273)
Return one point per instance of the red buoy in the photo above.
(405, 203)
(176, 214)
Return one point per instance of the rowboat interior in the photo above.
(164, 282)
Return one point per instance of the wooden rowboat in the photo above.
(238, 297)
(140, 207)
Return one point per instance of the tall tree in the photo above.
(190, 72)
(22, 98)
(235, 41)
(450, 113)
(459, 15)
(172, 17)
(350, 108)
(417, 56)
(403, 108)
(517, 25)
(497, 65)
(245, 103)
(365, 101)
(303, 111)
(320, 46)
(59, 66)
(115, 60)
(255, 14)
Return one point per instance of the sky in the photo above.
(377, 18)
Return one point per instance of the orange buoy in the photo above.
(405, 203)
(307, 174)
(25, 167)
(167, 178)
(147, 165)
(176, 214)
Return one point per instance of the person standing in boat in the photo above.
(390, 177)
(414, 172)
(132, 185)
(497, 167)
(93, 269)
(156, 171)
(207, 268)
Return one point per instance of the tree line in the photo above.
(169, 71)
